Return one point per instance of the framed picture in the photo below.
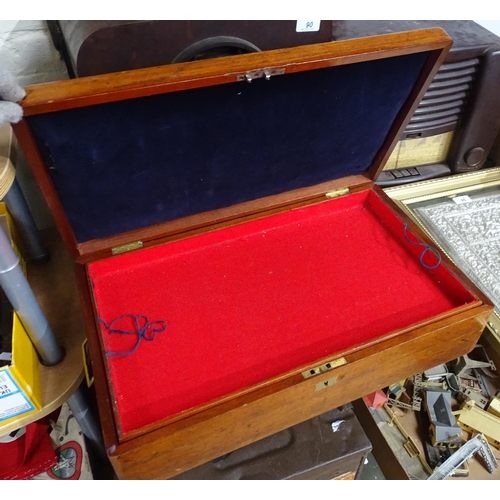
(461, 214)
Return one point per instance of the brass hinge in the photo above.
(330, 365)
(135, 245)
(337, 193)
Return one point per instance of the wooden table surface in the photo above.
(54, 286)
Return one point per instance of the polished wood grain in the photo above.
(294, 375)
(432, 353)
(50, 97)
(185, 444)
(96, 349)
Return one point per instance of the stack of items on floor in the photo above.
(454, 403)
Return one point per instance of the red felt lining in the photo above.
(247, 303)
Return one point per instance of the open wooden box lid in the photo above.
(132, 158)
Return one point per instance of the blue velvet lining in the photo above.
(131, 164)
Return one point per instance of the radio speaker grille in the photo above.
(443, 104)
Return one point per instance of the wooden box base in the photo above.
(357, 361)
(188, 324)
(190, 442)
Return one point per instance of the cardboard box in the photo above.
(20, 391)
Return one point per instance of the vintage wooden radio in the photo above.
(97, 47)
(454, 127)
(239, 271)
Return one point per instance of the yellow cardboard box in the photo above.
(20, 391)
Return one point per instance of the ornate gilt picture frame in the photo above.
(461, 214)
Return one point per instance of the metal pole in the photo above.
(83, 415)
(18, 208)
(18, 291)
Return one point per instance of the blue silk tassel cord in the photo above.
(146, 330)
(427, 249)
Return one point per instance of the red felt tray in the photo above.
(247, 303)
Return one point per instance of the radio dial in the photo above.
(475, 157)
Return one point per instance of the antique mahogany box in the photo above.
(239, 271)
